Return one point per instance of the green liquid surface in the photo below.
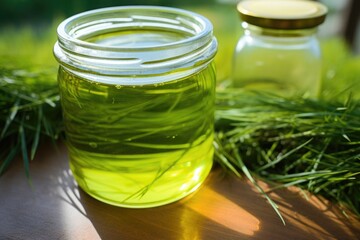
(139, 145)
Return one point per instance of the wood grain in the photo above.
(51, 206)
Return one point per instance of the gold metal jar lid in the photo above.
(282, 14)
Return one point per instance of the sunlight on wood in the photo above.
(221, 210)
(316, 208)
(68, 192)
(325, 208)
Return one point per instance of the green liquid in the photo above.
(139, 145)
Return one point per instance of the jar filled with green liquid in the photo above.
(137, 87)
(279, 51)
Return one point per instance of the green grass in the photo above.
(314, 144)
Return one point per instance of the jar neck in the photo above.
(152, 43)
(250, 29)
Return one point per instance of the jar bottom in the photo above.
(143, 189)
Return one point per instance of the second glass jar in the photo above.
(279, 51)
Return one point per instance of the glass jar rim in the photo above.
(196, 48)
(282, 14)
(67, 28)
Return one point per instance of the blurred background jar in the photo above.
(279, 51)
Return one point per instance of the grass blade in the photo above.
(10, 156)
(24, 151)
(10, 118)
(37, 133)
(279, 159)
(252, 180)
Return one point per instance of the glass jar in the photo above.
(279, 51)
(137, 88)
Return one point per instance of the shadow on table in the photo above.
(307, 217)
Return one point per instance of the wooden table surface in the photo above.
(53, 207)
